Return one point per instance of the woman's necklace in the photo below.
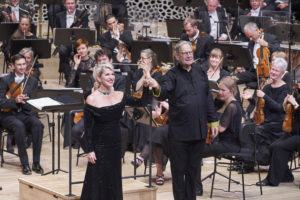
(104, 92)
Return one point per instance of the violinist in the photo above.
(227, 141)
(273, 94)
(282, 148)
(201, 41)
(82, 63)
(14, 11)
(20, 120)
(65, 19)
(117, 36)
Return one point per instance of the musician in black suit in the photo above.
(214, 20)
(65, 19)
(201, 41)
(15, 10)
(115, 35)
(20, 120)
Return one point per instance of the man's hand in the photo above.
(240, 69)
(20, 98)
(92, 157)
(260, 93)
(263, 43)
(214, 131)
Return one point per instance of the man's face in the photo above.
(212, 5)
(255, 4)
(14, 2)
(185, 56)
(70, 5)
(190, 30)
(20, 66)
(103, 59)
(252, 35)
(111, 22)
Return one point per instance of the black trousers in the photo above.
(185, 157)
(281, 151)
(65, 55)
(21, 124)
(77, 131)
(216, 148)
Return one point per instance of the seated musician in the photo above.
(227, 141)
(82, 62)
(20, 120)
(282, 148)
(214, 19)
(101, 56)
(271, 129)
(201, 41)
(66, 19)
(14, 11)
(114, 38)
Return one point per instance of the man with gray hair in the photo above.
(191, 107)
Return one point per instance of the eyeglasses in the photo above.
(185, 53)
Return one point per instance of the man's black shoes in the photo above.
(26, 170)
(36, 167)
(264, 182)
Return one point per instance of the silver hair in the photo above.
(281, 63)
(180, 44)
(250, 26)
(98, 69)
(26, 50)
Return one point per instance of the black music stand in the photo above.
(174, 27)
(69, 100)
(191, 3)
(284, 31)
(163, 50)
(35, 44)
(235, 55)
(68, 36)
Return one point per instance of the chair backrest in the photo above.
(246, 137)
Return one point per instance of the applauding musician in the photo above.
(14, 11)
(19, 119)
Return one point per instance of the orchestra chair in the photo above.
(247, 153)
(4, 133)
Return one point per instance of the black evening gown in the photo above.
(103, 180)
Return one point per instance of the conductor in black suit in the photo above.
(65, 19)
(201, 41)
(14, 11)
(214, 20)
(20, 120)
(115, 35)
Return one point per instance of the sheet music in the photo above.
(40, 103)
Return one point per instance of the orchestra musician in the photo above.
(14, 11)
(65, 19)
(115, 39)
(282, 148)
(20, 120)
(227, 141)
(82, 62)
(101, 56)
(191, 107)
(214, 20)
(201, 41)
(271, 129)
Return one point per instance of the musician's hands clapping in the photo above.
(92, 157)
(20, 98)
(77, 60)
(247, 95)
(260, 93)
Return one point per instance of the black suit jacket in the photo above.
(5, 83)
(202, 14)
(202, 48)
(22, 10)
(108, 42)
(61, 21)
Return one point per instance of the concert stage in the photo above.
(56, 187)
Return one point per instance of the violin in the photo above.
(162, 119)
(77, 117)
(209, 136)
(195, 41)
(123, 53)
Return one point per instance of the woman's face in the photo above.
(144, 59)
(276, 73)
(28, 58)
(24, 25)
(82, 50)
(214, 61)
(107, 78)
(224, 92)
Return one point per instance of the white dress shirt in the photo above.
(255, 13)
(70, 19)
(16, 11)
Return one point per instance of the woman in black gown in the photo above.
(102, 112)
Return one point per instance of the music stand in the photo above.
(236, 4)
(235, 55)
(68, 36)
(163, 50)
(35, 44)
(70, 100)
(261, 21)
(174, 27)
(191, 3)
(284, 30)
(7, 29)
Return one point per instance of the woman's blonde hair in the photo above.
(230, 83)
(98, 69)
(216, 52)
(18, 34)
